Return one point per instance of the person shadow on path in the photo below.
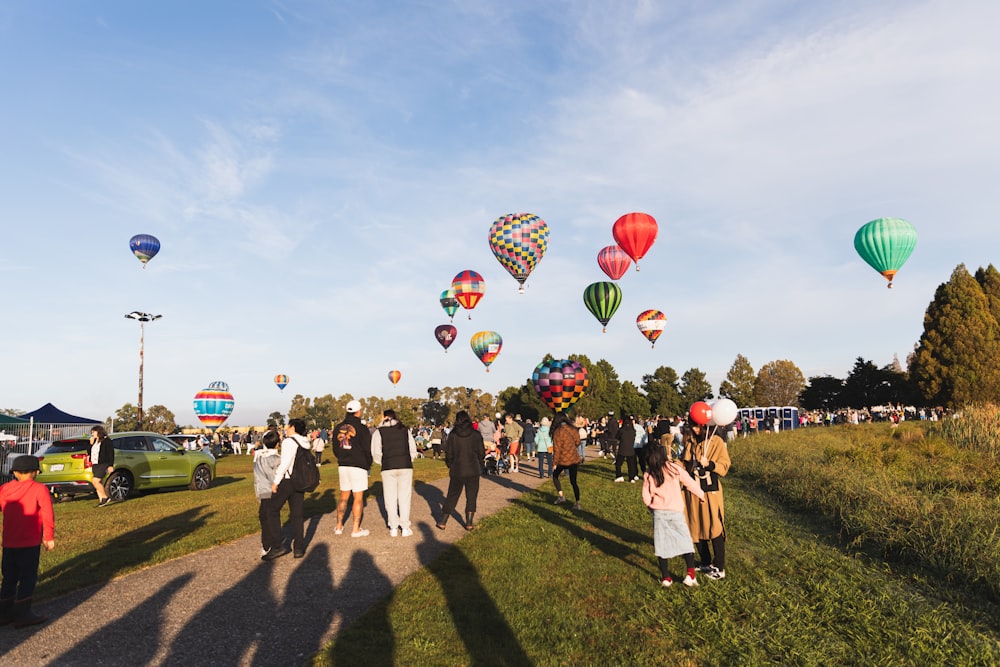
(488, 638)
(377, 645)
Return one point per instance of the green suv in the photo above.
(142, 461)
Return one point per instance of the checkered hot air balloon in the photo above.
(519, 241)
(559, 383)
(214, 404)
(469, 287)
(651, 324)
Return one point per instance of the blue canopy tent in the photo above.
(49, 423)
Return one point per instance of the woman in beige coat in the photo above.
(707, 460)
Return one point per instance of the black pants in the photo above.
(20, 572)
(455, 486)
(619, 457)
(640, 458)
(718, 548)
(272, 515)
(665, 569)
(572, 479)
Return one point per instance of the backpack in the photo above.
(305, 474)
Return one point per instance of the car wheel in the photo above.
(119, 485)
(201, 479)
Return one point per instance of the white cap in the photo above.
(354, 406)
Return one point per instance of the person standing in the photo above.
(464, 452)
(318, 445)
(102, 458)
(487, 429)
(282, 491)
(235, 443)
(437, 440)
(625, 451)
(565, 455)
(543, 440)
(528, 438)
(265, 464)
(28, 523)
(352, 445)
(707, 460)
(661, 491)
(513, 432)
(394, 449)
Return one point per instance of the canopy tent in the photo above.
(50, 414)
(7, 419)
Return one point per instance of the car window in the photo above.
(64, 446)
(164, 445)
(131, 443)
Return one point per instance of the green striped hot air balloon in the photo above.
(602, 300)
(886, 244)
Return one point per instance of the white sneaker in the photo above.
(667, 583)
(361, 533)
(394, 533)
(689, 580)
(619, 479)
(407, 532)
(716, 573)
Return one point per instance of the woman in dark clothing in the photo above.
(566, 455)
(102, 458)
(464, 452)
(626, 451)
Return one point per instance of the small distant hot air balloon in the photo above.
(449, 303)
(469, 288)
(613, 261)
(559, 382)
(651, 324)
(519, 240)
(886, 244)
(214, 404)
(145, 247)
(281, 380)
(394, 376)
(486, 345)
(602, 300)
(635, 233)
(445, 334)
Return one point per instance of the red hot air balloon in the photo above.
(445, 334)
(469, 288)
(635, 233)
(394, 376)
(613, 261)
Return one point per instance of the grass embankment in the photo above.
(543, 584)
(96, 545)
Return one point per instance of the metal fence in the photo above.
(30, 438)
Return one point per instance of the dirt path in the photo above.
(225, 606)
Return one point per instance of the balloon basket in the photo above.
(604, 330)
(520, 290)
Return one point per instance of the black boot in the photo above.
(444, 520)
(469, 525)
(6, 610)
(23, 616)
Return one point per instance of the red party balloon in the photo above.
(700, 412)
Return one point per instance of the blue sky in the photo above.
(317, 172)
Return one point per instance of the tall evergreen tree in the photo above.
(633, 402)
(694, 387)
(738, 385)
(823, 393)
(957, 359)
(661, 387)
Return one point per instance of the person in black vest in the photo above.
(394, 448)
(464, 452)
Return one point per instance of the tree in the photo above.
(694, 387)
(633, 402)
(661, 387)
(159, 420)
(823, 393)
(778, 383)
(738, 385)
(957, 359)
(126, 418)
(277, 420)
(434, 412)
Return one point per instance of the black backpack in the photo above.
(305, 474)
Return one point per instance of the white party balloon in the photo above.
(724, 412)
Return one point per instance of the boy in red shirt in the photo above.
(28, 522)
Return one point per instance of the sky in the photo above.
(317, 172)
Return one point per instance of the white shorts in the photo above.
(353, 479)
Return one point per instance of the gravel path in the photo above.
(226, 606)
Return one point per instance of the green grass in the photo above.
(541, 584)
(94, 545)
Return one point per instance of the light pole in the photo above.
(142, 318)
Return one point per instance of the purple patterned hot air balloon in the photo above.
(559, 382)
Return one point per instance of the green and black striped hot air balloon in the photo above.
(602, 300)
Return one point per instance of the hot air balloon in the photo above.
(469, 288)
(613, 261)
(445, 334)
(449, 303)
(602, 300)
(214, 404)
(145, 247)
(559, 383)
(281, 380)
(519, 240)
(486, 345)
(394, 376)
(635, 233)
(651, 324)
(885, 244)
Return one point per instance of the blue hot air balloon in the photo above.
(145, 247)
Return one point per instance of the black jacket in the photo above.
(352, 443)
(464, 452)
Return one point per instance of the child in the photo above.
(28, 522)
(266, 460)
(661, 491)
